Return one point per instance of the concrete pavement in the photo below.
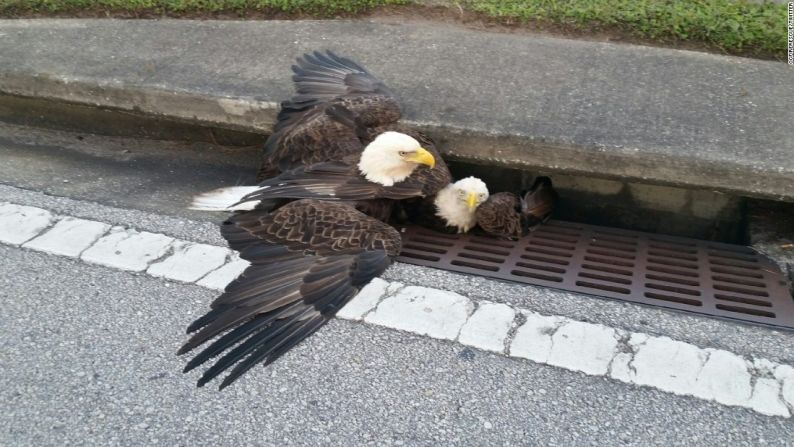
(635, 113)
(89, 360)
(757, 383)
(148, 184)
(89, 357)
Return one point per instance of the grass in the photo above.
(733, 26)
(322, 8)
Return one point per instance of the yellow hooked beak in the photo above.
(471, 200)
(422, 156)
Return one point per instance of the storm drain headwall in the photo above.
(703, 277)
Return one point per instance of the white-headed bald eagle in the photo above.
(332, 171)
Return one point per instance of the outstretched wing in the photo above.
(331, 181)
(305, 133)
(308, 259)
(322, 78)
(499, 216)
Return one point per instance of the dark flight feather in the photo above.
(308, 258)
(305, 131)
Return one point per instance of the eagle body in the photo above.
(501, 216)
(307, 130)
(314, 229)
(505, 215)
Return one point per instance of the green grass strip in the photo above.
(314, 7)
(729, 24)
(736, 26)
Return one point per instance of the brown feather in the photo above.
(506, 216)
(499, 216)
(306, 133)
(538, 203)
(308, 259)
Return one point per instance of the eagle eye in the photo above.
(403, 153)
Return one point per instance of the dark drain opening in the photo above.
(703, 277)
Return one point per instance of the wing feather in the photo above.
(499, 216)
(292, 286)
(304, 132)
(322, 77)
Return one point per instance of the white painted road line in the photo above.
(21, 223)
(634, 358)
(584, 347)
(69, 237)
(424, 311)
(365, 301)
(218, 279)
(127, 249)
(533, 339)
(488, 327)
(189, 262)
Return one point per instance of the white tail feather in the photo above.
(224, 199)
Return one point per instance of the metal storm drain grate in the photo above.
(704, 277)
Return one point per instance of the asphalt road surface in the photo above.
(88, 352)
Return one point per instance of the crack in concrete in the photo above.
(474, 306)
(392, 289)
(518, 320)
(763, 369)
(230, 257)
(96, 239)
(170, 250)
(53, 219)
(782, 379)
(759, 370)
(635, 349)
(623, 347)
(704, 356)
(753, 380)
(782, 397)
(551, 332)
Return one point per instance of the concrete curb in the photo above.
(636, 126)
(246, 114)
(527, 152)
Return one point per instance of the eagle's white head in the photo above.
(458, 201)
(391, 157)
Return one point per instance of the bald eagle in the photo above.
(338, 139)
(333, 169)
(452, 209)
(507, 216)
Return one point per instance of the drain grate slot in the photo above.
(722, 280)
